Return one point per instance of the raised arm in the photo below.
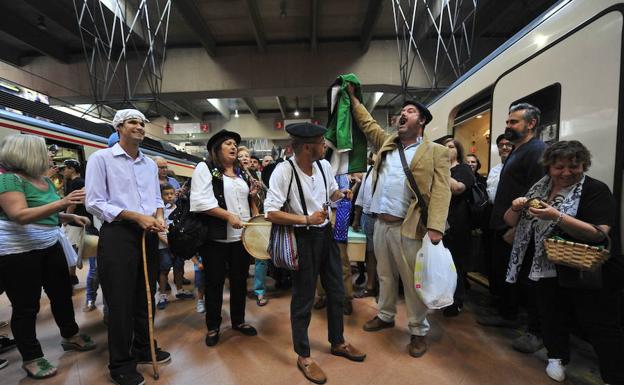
(369, 126)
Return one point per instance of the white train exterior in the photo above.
(577, 46)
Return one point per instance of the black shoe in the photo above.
(6, 344)
(186, 281)
(3, 363)
(161, 357)
(246, 329)
(347, 308)
(128, 379)
(212, 338)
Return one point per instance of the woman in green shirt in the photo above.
(33, 249)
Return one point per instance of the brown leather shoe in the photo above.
(417, 346)
(312, 372)
(348, 351)
(377, 324)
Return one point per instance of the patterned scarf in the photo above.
(566, 201)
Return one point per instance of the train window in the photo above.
(60, 152)
(548, 100)
(473, 132)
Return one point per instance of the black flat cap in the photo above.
(424, 111)
(221, 137)
(305, 130)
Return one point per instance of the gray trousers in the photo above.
(392, 251)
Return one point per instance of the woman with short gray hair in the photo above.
(34, 248)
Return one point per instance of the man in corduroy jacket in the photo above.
(398, 228)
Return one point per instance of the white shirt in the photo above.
(492, 181)
(366, 193)
(313, 188)
(116, 182)
(235, 192)
(392, 194)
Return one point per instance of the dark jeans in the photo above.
(120, 269)
(23, 275)
(459, 242)
(597, 312)
(225, 260)
(318, 254)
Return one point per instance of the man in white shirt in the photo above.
(318, 252)
(124, 194)
(504, 149)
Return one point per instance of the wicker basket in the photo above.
(576, 255)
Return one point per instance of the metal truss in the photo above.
(451, 22)
(124, 43)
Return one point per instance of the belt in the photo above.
(389, 218)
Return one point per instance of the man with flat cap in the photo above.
(307, 175)
(124, 194)
(400, 225)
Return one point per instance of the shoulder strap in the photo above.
(412, 182)
(318, 163)
(301, 197)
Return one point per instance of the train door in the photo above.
(583, 68)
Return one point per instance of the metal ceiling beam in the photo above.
(370, 20)
(256, 22)
(27, 33)
(251, 105)
(312, 106)
(281, 103)
(220, 106)
(57, 13)
(190, 13)
(314, 25)
(10, 56)
(189, 109)
(374, 99)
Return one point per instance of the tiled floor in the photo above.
(460, 353)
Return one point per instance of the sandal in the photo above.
(246, 329)
(79, 342)
(39, 368)
(261, 300)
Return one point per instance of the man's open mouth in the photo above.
(403, 120)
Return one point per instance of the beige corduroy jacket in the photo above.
(430, 167)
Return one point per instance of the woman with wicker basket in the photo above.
(572, 280)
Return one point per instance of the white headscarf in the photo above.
(123, 115)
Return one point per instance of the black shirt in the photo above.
(521, 171)
(459, 212)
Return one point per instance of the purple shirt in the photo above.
(116, 182)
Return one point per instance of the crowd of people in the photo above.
(412, 187)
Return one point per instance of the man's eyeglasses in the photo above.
(508, 145)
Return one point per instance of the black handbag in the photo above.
(188, 230)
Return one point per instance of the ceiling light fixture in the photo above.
(296, 112)
(479, 116)
(176, 117)
(296, 106)
(236, 115)
(283, 13)
(41, 24)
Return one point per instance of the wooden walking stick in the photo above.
(150, 315)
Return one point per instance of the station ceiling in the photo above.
(33, 28)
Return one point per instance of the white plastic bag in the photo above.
(435, 276)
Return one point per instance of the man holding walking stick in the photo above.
(124, 193)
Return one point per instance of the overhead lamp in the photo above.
(41, 24)
(297, 106)
(479, 116)
(236, 115)
(176, 117)
(283, 13)
(296, 112)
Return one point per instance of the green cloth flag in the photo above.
(347, 144)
